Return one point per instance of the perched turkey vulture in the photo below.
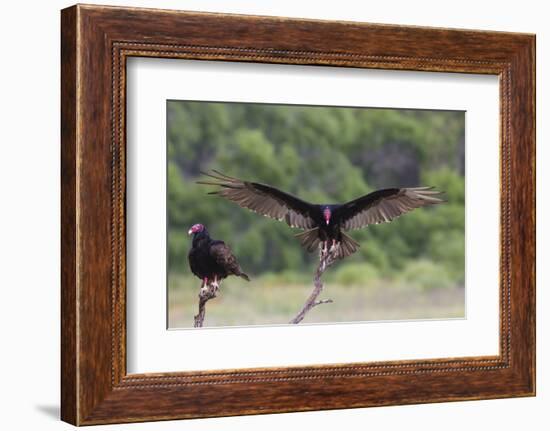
(210, 259)
(323, 223)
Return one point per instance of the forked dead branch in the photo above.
(325, 260)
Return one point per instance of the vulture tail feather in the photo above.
(348, 246)
(309, 239)
(243, 275)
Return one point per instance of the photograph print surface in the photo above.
(292, 214)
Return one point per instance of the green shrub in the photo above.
(448, 247)
(285, 278)
(425, 274)
(353, 273)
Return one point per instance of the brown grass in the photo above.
(266, 303)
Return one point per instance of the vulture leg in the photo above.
(204, 284)
(325, 248)
(335, 249)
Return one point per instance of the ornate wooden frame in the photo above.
(95, 43)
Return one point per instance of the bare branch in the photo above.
(207, 293)
(325, 261)
(322, 301)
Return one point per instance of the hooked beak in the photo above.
(327, 221)
(190, 231)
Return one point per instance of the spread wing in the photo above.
(263, 199)
(384, 206)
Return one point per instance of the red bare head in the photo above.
(195, 228)
(326, 215)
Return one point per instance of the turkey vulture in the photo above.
(211, 259)
(323, 223)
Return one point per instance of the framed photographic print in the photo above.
(265, 215)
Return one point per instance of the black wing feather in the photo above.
(263, 199)
(384, 205)
(224, 257)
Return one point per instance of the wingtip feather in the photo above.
(227, 177)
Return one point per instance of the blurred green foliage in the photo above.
(324, 155)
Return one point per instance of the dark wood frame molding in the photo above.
(95, 43)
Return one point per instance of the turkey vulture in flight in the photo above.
(323, 223)
(211, 259)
